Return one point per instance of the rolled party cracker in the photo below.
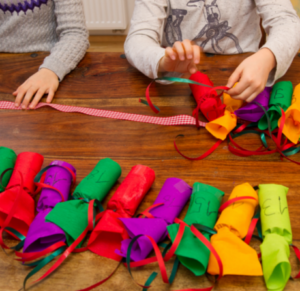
(207, 101)
(291, 128)
(7, 161)
(253, 112)
(42, 234)
(110, 231)
(237, 257)
(222, 126)
(203, 209)
(277, 235)
(231, 103)
(174, 195)
(27, 166)
(72, 216)
(281, 97)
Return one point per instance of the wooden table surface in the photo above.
(104, 80)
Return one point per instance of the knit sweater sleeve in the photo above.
(73, 38)
(142, 47)
(282, 26)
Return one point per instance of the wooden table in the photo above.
(104, 80)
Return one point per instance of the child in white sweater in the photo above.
(44, 25)
(166, 36)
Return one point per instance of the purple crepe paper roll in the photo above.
(252, 112)
(174, 194)
(59, 178)
(42, 234)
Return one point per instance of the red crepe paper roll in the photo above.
(207, 99)
(27, 166)
(110, 231)
(131, 192)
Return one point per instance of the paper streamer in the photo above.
(110, 231)
(277, 235)
(203, 209)
(222, 126)
(174, 195)
(27, 165)
(207, 101)
(252, 112)
(72, 216)
(7, 161)
(42, 234)
(238, 258)
(291, 128)
(281, 97)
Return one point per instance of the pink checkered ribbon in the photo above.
(172, 120)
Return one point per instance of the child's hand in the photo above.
(182, 58)
(252, 75)
(43, 82)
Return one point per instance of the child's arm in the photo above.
(65, 55)
(271, 62)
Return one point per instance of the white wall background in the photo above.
(129, 8)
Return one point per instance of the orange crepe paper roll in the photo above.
(291, 128)
(237, 257)
(220, 127)
(231, 103)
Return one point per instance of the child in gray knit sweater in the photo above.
(166, 36)
(43, 25)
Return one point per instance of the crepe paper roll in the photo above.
(97, 184)
(72, 217)
(281, 97)
(59, 178)
(291, 128)
(27, 165)
(277, 235)
(238, 258)
(7, 161)
(174, 195)
(222, 126)
(42, 234)
(252, 112)
(231, 103)
(203, 209)
(207, 101)
(132, 191)
(110, 231)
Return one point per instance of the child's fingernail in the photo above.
(23, 106)
(16, 104)
(173, 58)
(190, 56)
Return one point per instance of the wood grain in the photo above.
(104, 80)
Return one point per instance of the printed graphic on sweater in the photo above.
(7, 5)
(172, 28)
(214, 30)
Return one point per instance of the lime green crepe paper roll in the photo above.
(274, 211)
(275, 258)
(72, 217)
(98, 183)
(203, 209)
(281, 97)
(7, 160)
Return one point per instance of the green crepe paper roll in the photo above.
(275, 258)
(277, 234)
(98, 183)
(7, 160)
(281, 97)
(72, 216)
(203, 209)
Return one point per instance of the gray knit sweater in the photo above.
(45, 25)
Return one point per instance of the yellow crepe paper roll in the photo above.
(223, 125)
(231, 103)
(237, 257)
(291, 128)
